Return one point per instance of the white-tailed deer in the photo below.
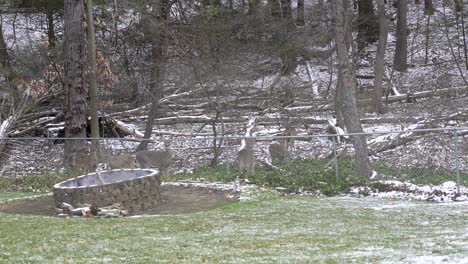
(279, 151)
(290, 132)
(85, 162)
(160, 159)
(122, 161)
(246, 157)
(118, 161)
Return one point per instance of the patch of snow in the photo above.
(428, 259)
(445, 192)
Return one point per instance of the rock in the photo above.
(282, 190)
(63, 215)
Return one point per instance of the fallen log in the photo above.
(391, 141)
(455, 91)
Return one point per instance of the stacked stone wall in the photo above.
(135, 195)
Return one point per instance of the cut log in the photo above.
(391, 141)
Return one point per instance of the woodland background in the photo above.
(180, 69)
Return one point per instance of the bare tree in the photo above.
(5, 66)
(286, 9)
(300, 13)
(74, 53)
(92, 78)
(428, 8)
(157, 29)
(253, 6)
(347, 100)
(380, 57)
(275, 8)
(367, 23)
(400, 62)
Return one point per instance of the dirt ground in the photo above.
(175, 200)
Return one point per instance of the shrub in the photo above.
(41, 183)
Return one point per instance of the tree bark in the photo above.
(253, 6)
(286, 9)
(428, 8)
(74, 54)
(400, 62)
(368, 30)
(158, 59)
(275, 8)
(51, 29)
(5, 67)
(380, 57)
(92, 79)
(347, 101)
(300, 13)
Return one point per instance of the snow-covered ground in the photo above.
(445, 192)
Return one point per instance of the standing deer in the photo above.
(246, 157)
(279, 151)
(119, 161)
(86, 162)
(160, 159)
(122, 161)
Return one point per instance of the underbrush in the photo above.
(41, 183)
(298, 175)
(301, 175)
(418, 175)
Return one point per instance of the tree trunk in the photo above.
(286, 9)
(92, 79)
(380, 57)
(253, 6)
(458, 5)
(465, 51)
(50, 28)
(5, 67)
(275, 8)
(337, 101)
(347, 101)
(300, 13)
(74, 54)
(401, 51)
(426, 43)
(368, 30)
(428, 8)
(158, 58)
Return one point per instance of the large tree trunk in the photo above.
(428, 8)
(92, 79)
(5, 67)
(158, 59)
(401, 51)
(275, 8)
(253, 6)
(50, 28)
(74, 54)
(367, 23)
(300, 13)
(337, 103)
(380, 57)
(347, 101)
(5, 60)
(286, 9)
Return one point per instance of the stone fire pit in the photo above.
(136, 190)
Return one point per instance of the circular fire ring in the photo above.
(135, 190)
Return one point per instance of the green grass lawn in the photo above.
(6, 196)
(271, 229)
